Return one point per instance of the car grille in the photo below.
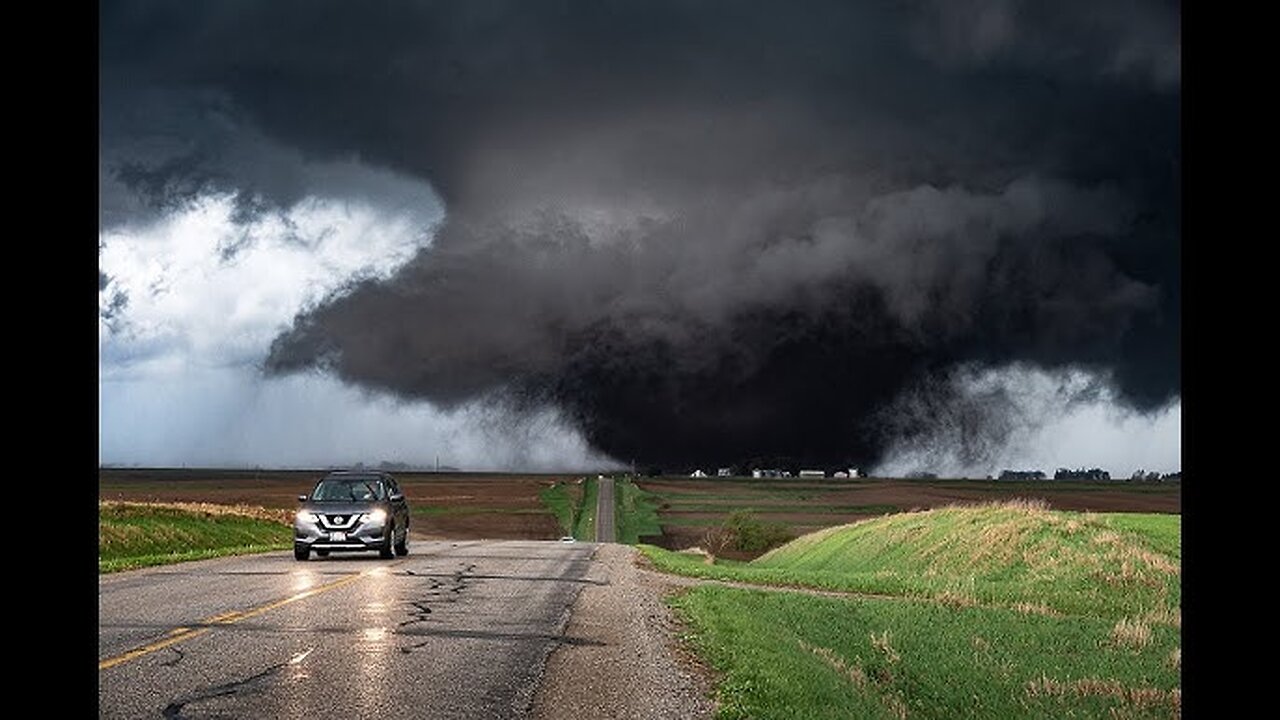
(337, 521)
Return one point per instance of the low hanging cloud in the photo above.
(691, 233)
(231, 417)
(976, 422)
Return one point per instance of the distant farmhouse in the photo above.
(724, 472)
(1094, 474)
(697, 473)
(812, 473)
(1022, 475)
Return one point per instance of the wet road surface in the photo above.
(453, 630)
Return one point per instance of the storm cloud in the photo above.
(700, 232)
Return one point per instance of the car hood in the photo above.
(340, 508)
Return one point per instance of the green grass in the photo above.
(560, 502)
(1113, 565)
(635, 512)
(584, 527)
(1002, 610)
(137, 535)
(1163, 533)
(787, 655)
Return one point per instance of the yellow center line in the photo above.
(228, 618)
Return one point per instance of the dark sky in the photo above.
(741, 230)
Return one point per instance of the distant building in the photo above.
(855, 472)
(1022, 475)
(841, 474)
(697, 473)
(812, 473)
(1095, 474)
(724, 472)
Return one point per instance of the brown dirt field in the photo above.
(464, 506)
(918, 494)
(506, 506)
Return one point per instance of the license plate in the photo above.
(338, 537)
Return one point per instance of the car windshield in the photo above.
(348, 489)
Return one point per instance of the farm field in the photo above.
(445, 505)
(530, 507)
(689, 507)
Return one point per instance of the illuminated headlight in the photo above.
(377, 516)
(304, 516)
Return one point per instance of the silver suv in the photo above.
(352, 511)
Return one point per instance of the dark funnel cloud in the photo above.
(706, 232)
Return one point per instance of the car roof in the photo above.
(357, 474)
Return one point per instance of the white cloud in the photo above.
(1069, 419)
(204, 297)
(202, 290)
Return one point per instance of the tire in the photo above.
(322, 553)
(402, 547)
(387, 552)
(301, 553)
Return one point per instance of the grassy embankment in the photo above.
(574, 505)
(564, 500)
(1002, 610)
(584, 526)
(635, 512)
(132, 535)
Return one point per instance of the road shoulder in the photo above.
(626, 661)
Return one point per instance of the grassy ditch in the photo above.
(562, 499)
(584, 525)
(998, 610)
(132, 535)
(635, 512)
(1007, 554)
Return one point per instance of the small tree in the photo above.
(751, 534)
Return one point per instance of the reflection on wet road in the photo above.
(454, 630)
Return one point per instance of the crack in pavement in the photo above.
(174, 709)
(174, 661)
(437, 591)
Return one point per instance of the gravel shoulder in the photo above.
(628, 663)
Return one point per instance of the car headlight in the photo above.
(304, 516)
(376, 516)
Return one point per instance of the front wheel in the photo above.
(402, 547)
(386, 551)
(301, 552)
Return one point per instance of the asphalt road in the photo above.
(604, 511)
(453, 630)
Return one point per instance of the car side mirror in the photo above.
(302, 498)
(396, 497)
